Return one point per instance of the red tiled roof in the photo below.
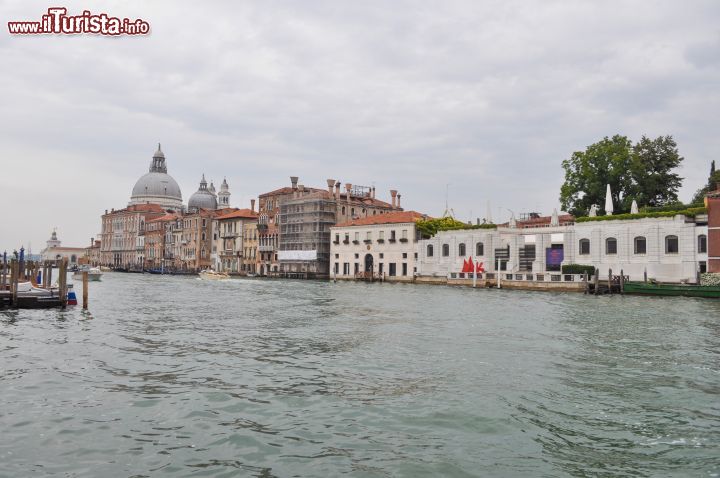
(244, 213)
(166, 217)
(390, 218)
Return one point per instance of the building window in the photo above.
(461, 250)
(610, 245)
(702, 244)
(584, 246)
(382, 235)
(404, 269)
(429, 250)
(479, 249)
(404, 255)
(404, 234)
(446, 250)
(357, 256)
(368, 236)
(671, 245)
(392, 267)
(640, 245)
(343, 210)
(337, 238)
(357, 236)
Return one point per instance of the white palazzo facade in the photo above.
(668, 249)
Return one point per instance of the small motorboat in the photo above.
(213, 275)
(94, 274)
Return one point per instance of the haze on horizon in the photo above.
(488, 97)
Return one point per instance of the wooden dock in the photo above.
(43, 296)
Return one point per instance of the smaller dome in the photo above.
(202, 198)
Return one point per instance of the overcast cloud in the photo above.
(488, 97)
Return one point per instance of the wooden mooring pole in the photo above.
(596, 281)
(4, 272)
(62, 282)
(14, 278)
(85, 289)
(622, 282)
(609, 281)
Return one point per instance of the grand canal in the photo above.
(174, 376)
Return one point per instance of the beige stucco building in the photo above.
(380, 247)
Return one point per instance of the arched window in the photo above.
(702, 244)
(429, 250)
(73, 258)
(671, 245)
(640, 245)
(610, 245)
(343, 210)
(479, 249)
(446, 250)
(461, 249)
(584, 246)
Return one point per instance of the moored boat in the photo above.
(684, 290)
(94, 273)
(212, 275)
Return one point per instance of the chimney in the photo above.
(252, 205)
(398, 202)
(348, 187)
(301, 187)
(293, 181)
(373, 192)
(330, 183)
(337, 190)
(92, 241)
(393, 193)
(105, 211)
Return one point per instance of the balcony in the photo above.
(403, 239)
(336, 242)
(392, 239)
(381, 241)
(266, 248)
(356, 241)
(346, 241)
(229, 235)
(368, 241)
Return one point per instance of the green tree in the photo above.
(587, 174)
(712, 184)
(654, 182)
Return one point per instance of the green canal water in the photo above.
(175, 376)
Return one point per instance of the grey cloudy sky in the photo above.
(488, 96)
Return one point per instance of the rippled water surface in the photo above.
(174, 376)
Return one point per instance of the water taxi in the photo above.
(212, 275)
(94, 273)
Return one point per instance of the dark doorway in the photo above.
(368, 263)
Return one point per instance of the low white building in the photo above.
(670, 249)
(54, 251)
(375, 247)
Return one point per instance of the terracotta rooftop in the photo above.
(398, 217)
(140, 208)
(244, 213)
(166, 217)
(544, 221)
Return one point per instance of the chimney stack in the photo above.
(337, 190)
(330, 183)
(92, 241)
(393, 193)
(293, 181)
(348, 188)
(398, 202)
(252, 205)
(373, 192)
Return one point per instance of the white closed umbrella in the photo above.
(608, 202)
(634, 208)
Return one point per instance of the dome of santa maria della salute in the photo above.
(157, 186)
